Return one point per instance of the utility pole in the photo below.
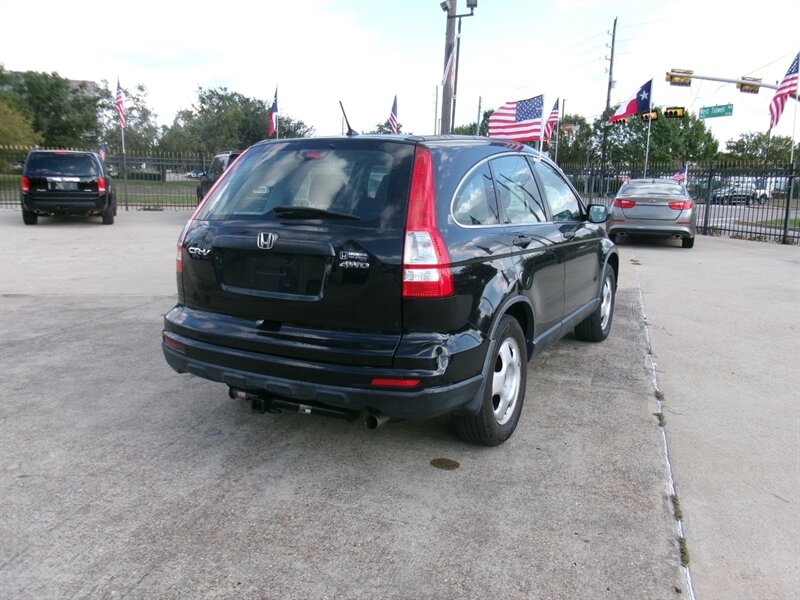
(451, 8)
(604, 146)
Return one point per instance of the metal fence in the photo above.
(736, 200)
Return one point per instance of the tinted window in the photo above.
(53, 163)
(516, 190)
(475, 203)
(563, 202)
(367, 182)
(652, 188)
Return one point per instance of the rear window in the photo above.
(364, 183)
(53, 163)
(652, 188)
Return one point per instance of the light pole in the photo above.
(448, 91)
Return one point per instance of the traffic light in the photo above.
(650, 116)
(749, 89)
(682, 77)
(674, 112)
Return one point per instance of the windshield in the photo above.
(316, 180)
(652, 188)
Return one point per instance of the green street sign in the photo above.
(721, 110)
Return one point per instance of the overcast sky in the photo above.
(364, 52)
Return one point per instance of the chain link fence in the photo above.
(758, 202)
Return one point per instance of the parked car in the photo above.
(64, 182)
(763, 190)
(653, 208)
(215, 170)
(392, 277)
(195, 174)
(744, 192)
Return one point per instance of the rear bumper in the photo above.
(650, 229)
(65, 206)
(216, 363)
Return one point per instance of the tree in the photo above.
(385, 129)
(470, 128)
(142, 133)
(15, 128)
(760, 147)
(289, 127)
(674, 141)
(574, 141)
(63, 112)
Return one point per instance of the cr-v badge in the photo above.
(266, 240)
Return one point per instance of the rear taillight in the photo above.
(426, 263)
(619, 203)
(101, 185)
(26, 185)
(682, 205)
(181, 240)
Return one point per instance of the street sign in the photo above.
(721, 110)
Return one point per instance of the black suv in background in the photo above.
(389, 276)
(215, 170)
(66, 182)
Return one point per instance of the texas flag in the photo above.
(638, 104)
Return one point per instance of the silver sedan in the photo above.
(653, 208)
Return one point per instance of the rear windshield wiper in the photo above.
(308, 212)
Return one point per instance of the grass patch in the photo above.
(662, 420)
(794, 223)
(676, 508)
(684, 551)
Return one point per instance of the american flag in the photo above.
(119, 104)
(788, 87)
(552, 121)
(393, 116)
(520, 121)
(102, 153)
(273, 110)
(681, 175)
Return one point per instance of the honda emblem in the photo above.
(266, 240)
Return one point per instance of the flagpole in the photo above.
(124, 165)
(558, 128)
(478, 122)
(436, 113)
(649, 125)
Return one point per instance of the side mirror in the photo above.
(598, 213)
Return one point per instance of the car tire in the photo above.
(763, 200)
(108, 215)
(29, 218)
(504, 391)
(597, 326)
(687, 242)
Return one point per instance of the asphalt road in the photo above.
(121, 478)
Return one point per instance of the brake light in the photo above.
(101, 185)
(26, 185)
(395, 383)
(426, 263)
(619, 203)
(181, 240)
(682, 205)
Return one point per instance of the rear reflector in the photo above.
(426, 263)
(26, 185)
(682, 205)
(619, 203)
(394, 383)
(170, 343)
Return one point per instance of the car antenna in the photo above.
(350, 131)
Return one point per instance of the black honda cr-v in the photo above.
(389, 276)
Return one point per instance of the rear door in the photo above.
(533, 240)
(302, 243)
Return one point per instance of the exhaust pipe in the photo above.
(373, 421)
